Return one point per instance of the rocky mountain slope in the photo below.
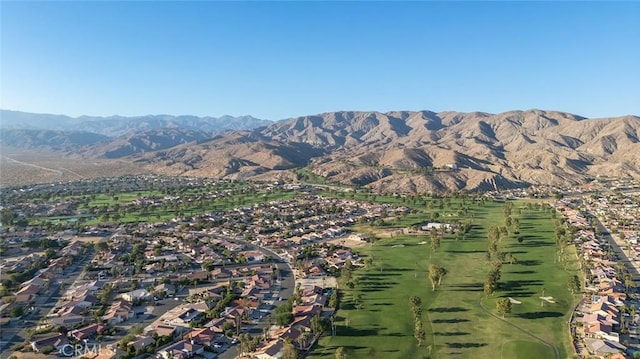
(423, 151)
(400, 151)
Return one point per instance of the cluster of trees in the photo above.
(248, 343)
(496, 257)
(8, 218)
(284, 314)
(346, 274)
(575, 284)
(289, 351)
(491, 282)
(334, 300)
(434, 239)
(418, 331)
(436, 273)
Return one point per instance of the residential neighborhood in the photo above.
(605, 322)
(184, 286)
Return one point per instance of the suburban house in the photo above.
(136, 295)
(180, 350)
(57, 342)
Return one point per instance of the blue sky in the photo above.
(277, 60)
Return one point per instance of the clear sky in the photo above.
(277, 60)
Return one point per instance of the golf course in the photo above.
(376, 319)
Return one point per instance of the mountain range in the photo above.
(114, 126)
(403, 151)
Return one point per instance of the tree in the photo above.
(16, 311)
(317, 324)
(368, 262)
(415, 301)
(574, 284)
(503, 306)
(334, 300)
(436, 273)
(489, 286)
(442, 271)
(7, 217)
(289, 351)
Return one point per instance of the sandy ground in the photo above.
(327, 282)
(88, 239)
(345, 241)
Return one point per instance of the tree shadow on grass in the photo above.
(395, 335)
(450, 321)
(534, 243)
(448, 309)
(354, 347)
(373, 283)
(450, 334)
(378, 275)
(469, 287)
(539, 315)
(375, 288)
(342, 331)
(520, 293)
(530, 262)
(392, 270)
(465, 252)
(466, 345)
(516, 285)
(522, 272)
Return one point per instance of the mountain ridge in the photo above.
(411, 150)
(114, 126)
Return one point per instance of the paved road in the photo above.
(615, 246)
(287, 286)
(17, 332)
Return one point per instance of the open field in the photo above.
(24, 167)
(454, 318)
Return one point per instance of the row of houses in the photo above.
(301, 332)
(599, 321)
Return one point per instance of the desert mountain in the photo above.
(89, 144)
(423, 151)
(115, 126)
(59, 141)
(394, 151)
(239, 155)
(145, 141)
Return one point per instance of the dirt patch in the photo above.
(327, 282)
(345, 241)
(88, 239)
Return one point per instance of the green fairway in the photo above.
(161, 212)
(375, 317)
(525, 350)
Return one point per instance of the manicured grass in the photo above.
(120, 198)
(455, 322)
(523, 349)
(161, 213)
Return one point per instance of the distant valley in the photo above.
(401, 151)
